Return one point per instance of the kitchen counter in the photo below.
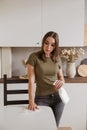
(20, 118)
(77, 91)
(76, 79)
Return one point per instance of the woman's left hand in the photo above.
(58, 84)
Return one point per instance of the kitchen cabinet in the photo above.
(19, 118)
(1, 95)
(75, 111)
(24, 23)
(66, 18)
(20, 23)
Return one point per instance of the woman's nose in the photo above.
(49, 47)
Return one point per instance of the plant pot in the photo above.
(70, 69)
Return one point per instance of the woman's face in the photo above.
(49, 46)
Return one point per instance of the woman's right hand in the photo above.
(32, 106)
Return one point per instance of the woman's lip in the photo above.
(48, 50)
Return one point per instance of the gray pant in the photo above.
(53, 101)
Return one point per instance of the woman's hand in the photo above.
(58, 84)
(32, 106)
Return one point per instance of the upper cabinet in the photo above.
(20, 23)
(23, 23)
(85, 27)
(66, 18)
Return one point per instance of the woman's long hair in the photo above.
(54, 53)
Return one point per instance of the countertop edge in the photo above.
(67, 80)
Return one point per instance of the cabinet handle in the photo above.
(37, 43)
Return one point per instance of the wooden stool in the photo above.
(64, 128)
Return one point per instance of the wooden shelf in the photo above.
(76, 80)
(15, 80)
(67, 80)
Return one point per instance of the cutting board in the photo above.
(82, 70)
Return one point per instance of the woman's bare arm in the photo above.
(60, 75)
(31, 90)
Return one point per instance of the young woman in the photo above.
(44, 68)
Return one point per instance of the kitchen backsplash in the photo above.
(20, 53)
(78, 61)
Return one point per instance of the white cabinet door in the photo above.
(66, 18)
(20, 23)
(75, 111)
(1, 95)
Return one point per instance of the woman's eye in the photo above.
(46, 43)
(53, 45)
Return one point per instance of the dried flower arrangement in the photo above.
(72, 54)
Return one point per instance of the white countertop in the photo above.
(20, 118)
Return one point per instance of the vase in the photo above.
(70, 69)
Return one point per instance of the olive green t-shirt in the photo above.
(45, 73)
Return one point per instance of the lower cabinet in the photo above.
(74, 114)
(1, 95)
